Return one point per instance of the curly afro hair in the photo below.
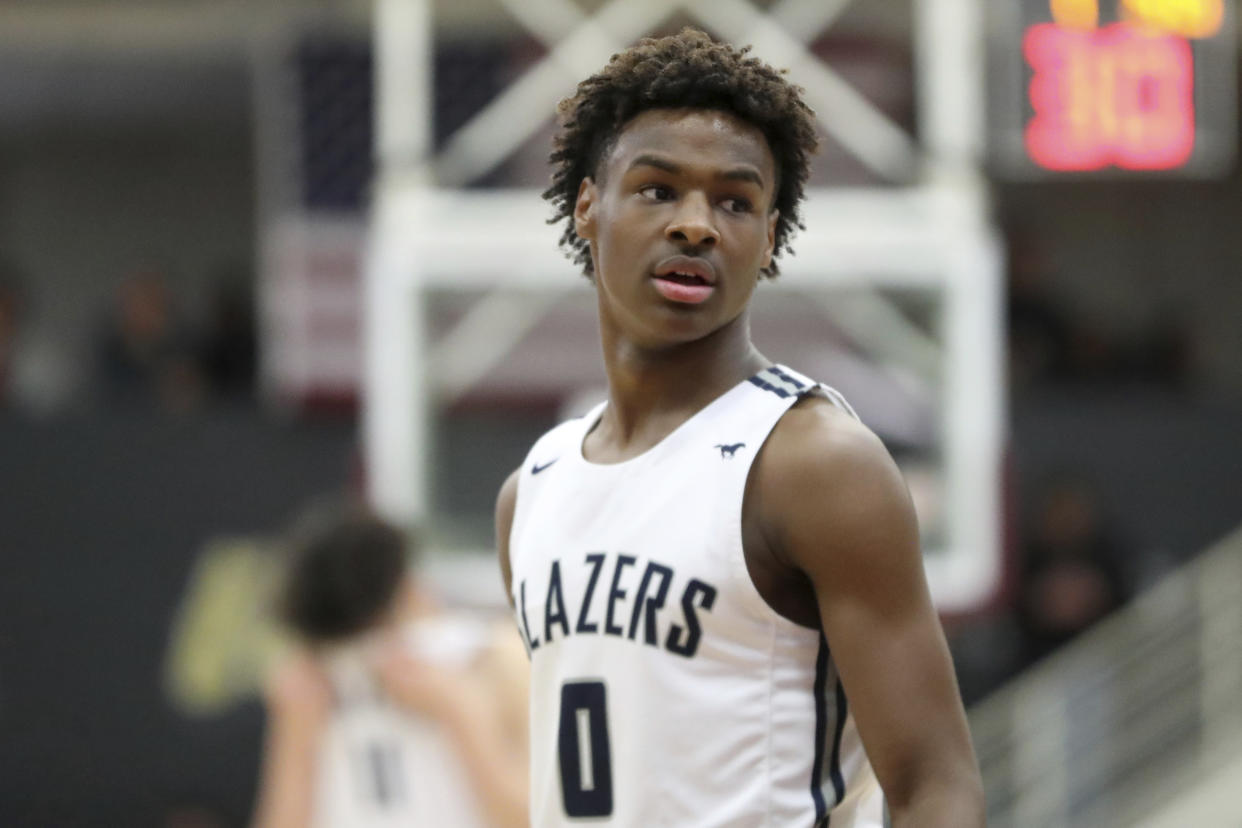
(687, 70)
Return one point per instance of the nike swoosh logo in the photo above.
(535, 469)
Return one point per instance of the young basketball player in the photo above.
(717, 571)
(395, 712)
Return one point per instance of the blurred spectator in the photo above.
(1040, 332)
(1050, 343)
(229, 347)
(9, 310)
(392, 711)
(146, 355)
(35, 376)
(1073, 573)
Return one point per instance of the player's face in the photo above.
(679, 223)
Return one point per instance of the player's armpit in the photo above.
(841, 514)
(506, 505)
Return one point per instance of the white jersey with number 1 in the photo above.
(665, 691)
(382, 767)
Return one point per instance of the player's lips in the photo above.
(687, 266)
(686, 279)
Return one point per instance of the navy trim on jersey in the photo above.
(774, 377)
(778, 382)
(838, 781)
(821, 729)
(776, 371)
(766, 386)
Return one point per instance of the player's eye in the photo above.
(656, 192)
(737, 205)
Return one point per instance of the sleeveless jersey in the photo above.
(383, 767)
(665, 691)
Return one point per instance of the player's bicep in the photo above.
(853, 532)
(506, 506)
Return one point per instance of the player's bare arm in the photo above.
(506, 505)
(828, 506)
(298, 698)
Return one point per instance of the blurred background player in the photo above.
(391, 710)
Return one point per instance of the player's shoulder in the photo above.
(561, 439)
(827, 482)
(817, 434)
(448, 633)
(506, 500)
(550, 447)
(822, 463)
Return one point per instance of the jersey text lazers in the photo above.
(628, 605)
(665, 691)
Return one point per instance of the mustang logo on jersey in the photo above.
(613, 610)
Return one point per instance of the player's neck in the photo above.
(651, 391)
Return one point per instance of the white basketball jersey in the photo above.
(383, 767)
(665, 691)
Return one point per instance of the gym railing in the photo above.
(1131, 716)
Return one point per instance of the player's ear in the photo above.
(584, 210)
(773, 215)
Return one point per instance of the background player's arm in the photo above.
(484, 712)
(839, 512)
(506, 673)
(298, 698)
(506, 670)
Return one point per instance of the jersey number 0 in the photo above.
(585, 753)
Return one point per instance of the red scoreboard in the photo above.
(1119, 85)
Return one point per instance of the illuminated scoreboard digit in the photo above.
(1119, 85)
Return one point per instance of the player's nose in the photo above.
(692, 222)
